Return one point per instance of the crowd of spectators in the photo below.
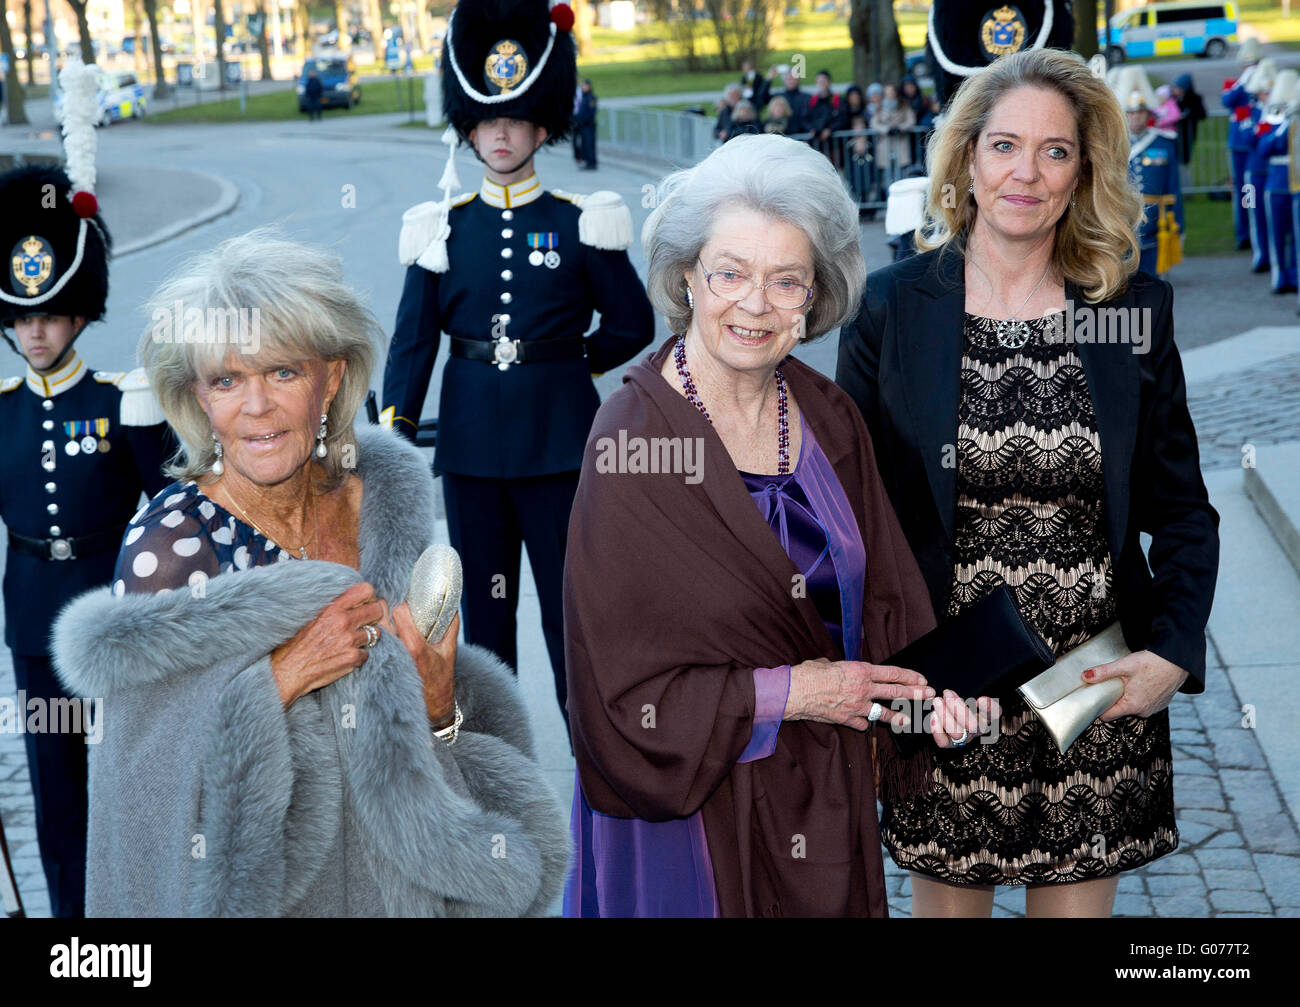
(873, 137)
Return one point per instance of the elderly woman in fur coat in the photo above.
(279, 738)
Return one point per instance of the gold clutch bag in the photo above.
(434, 592)
(1063, 701)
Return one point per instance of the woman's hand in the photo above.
(950, 715)
(329, 646)
(436, 663)
(1149, 683)
(841, 692)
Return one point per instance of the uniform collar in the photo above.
(1141, 143)
(507, 197)
(56, 382)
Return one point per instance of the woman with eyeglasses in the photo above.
(735, 575)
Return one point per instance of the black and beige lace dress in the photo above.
(1029, 514)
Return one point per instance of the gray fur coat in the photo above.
(207, 798)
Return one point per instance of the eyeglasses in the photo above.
(733, 285)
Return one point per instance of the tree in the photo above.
(262, 47)
(877, 49)
(582, 18)
(27, 49)
(160, 86)
(13, 90)
(742, 28)
(375, 25)
(1085, 27)
(219, 32)
(83, 29)
(678, 17)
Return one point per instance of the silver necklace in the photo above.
(1012, 333)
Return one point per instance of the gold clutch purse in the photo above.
(434, 592)
(1063, 701)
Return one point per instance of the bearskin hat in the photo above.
(49, 245)
(967, 35)
(522, 49)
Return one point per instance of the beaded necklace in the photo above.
(782, 405)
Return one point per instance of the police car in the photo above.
(1170, 29)
(120, 96)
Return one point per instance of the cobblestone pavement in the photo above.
(1258, 405)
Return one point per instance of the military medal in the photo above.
(89, 444)
(104, 445)
(543, 239)
(72, 448)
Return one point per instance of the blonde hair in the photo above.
(302, 306)
(1096, 238)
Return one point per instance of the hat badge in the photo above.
(506, 66)
(32, 264)
(1003, 31)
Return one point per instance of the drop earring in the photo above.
(321, 449)
(218, 466)
(971, 187)
(690, 298)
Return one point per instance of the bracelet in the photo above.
(450, 733)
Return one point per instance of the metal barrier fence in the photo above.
(680, 138)
(868, 159)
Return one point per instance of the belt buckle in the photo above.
(505, 353)
(61, 548)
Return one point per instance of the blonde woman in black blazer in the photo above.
(1016, 451)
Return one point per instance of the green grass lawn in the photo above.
(377, 95)
(1209, 226)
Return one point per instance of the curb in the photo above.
(1278, 498)
(224, 204)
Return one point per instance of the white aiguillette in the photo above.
(434, 594)
(1063, 701)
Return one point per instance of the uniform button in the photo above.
(52, 508)
(507, 275)
(507, 214)
(47, 425)
(507, 232)
(506, 253)
(505, 297)
(55, 530)
(50, 487)
(47, 405)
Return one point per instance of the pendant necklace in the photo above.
(302, 549)
(1012, 333)
(782, 405)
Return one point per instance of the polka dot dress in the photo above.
(180, 538)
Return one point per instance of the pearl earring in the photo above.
(218, 466)
(321, 449)
(690, 299)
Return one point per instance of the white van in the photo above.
(1170, 29)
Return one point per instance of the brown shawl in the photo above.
(673, 593)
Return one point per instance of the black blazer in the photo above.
(900, 360)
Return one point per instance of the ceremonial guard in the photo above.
(1259, 85)
(512, 274)
(79, 448)
(1237, 99)
(1153, 165)
(1275, 145)
(964, 36)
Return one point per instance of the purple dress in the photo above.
(630, 867)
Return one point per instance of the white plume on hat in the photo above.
(1133, 89)
(1283, 92)
(1249, 51)
(80, 84)
(1262, 75)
